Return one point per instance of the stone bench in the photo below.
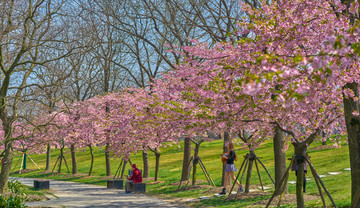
(139, 187)
(115, 184)
(41, 184)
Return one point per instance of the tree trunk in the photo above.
(187, 155)
(157, 155)
(280, 159)
(92, 160)
(195, 162)
(6, 167)
(73, 159)
(146, 164)
(48, 157)
(353, 133)
(300, 155)
(107, 161)
(249, 170)
(323, 135)
(225, 149)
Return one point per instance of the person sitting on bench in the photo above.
(135, 178)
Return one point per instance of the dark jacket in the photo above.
(231, 157)
(136, 176)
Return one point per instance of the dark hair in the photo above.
(231, 146)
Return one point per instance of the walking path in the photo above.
(72, 194)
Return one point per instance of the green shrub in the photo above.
(12, 202)
(17, 188)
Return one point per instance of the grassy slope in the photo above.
(330, 160)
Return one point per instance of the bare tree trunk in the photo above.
(146, 164)
(300, 155)
(157, 155)
(195, 162)
(299, 186)
(225, 149)
(6, 168)
(280, 159)
(48, 157)
(92, 160)
(73, 159)
(249, 170)
(107, 161)
(187, 155)
(353, 133)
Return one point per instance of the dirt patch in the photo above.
(322, 147)
(198, 182)
(75, 175)
(102, 178)
(24, 171)
(287, 199)
(148, 179)
(187, 188)
(45, 171)
(92, 177)
(241, 196)
(155, 182)
(56, 174)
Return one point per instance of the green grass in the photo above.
(329, 160)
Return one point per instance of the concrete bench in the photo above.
(41, 184)
(139, 187)
(115, 184)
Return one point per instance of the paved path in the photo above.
(83, 195)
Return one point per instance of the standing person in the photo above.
(135, 178)
(230, 167)
(295, 165)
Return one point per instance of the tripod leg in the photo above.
(283, 180)
(201, 162)
(265, 169)
(123, 169)
(202, 168)
(283, 185)
(67, 167)
(242, 165)
(319, 188)
(33, 162)
(55, 164)
(118, 169)
(321, 182)
(257, 169)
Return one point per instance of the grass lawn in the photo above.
(325, 161)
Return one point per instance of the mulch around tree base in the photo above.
(75, 175)
(186, 188)
(287, 199)
(189, 183)
(23, 171)
(241, 196)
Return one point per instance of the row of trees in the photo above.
(281, 70)
(71, 50)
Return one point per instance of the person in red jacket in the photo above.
(135, 178)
